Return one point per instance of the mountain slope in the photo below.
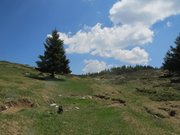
(138, 103)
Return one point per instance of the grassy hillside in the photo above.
(136, 103)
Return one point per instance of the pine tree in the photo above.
(54, 59)
(172, 58)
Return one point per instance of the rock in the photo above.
(172, 113)
(90, 97)
(77, 108)
(83, 97)
(86, 97)
(2, 108)
(6, 107)
(53, 104)
(60, 110)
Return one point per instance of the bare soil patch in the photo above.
(114, 102)
(15, 106)
(164, 109)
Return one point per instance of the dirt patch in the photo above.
(119, 101)
(164, 109)
(20, 102)
(14, 106)
(155, 113)
(115, 102)
(171, 112)
(102, 97)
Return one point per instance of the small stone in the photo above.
(60, 110)
(172, 113)
(77, 108)
(53, 104)
(90, 97)
(83, 97)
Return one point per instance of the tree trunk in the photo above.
(53, 75)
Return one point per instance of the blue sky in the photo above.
(98, 34)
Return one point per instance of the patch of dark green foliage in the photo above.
(122, 70)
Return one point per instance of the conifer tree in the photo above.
(172, 58)
(54, 59)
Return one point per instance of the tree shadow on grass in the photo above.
(43, 78)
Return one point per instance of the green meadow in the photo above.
(136, 103)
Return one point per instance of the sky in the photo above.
(97, 34)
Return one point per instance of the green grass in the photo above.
(75, 86)
(83, 113)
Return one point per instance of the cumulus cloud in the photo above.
(111, 42)
(131, 30)
(94, 66)
(100, 38)
(144, 12)
(133, 56)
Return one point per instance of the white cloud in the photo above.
(105, 38)
(144, 12)
(105, 42)
(123, 41)
(133, 56)
(94, 66)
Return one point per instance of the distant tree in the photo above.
(172, 58)
(54, 59)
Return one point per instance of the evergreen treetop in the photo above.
(54, 59)
(172, 58)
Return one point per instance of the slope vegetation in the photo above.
(136, 103)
